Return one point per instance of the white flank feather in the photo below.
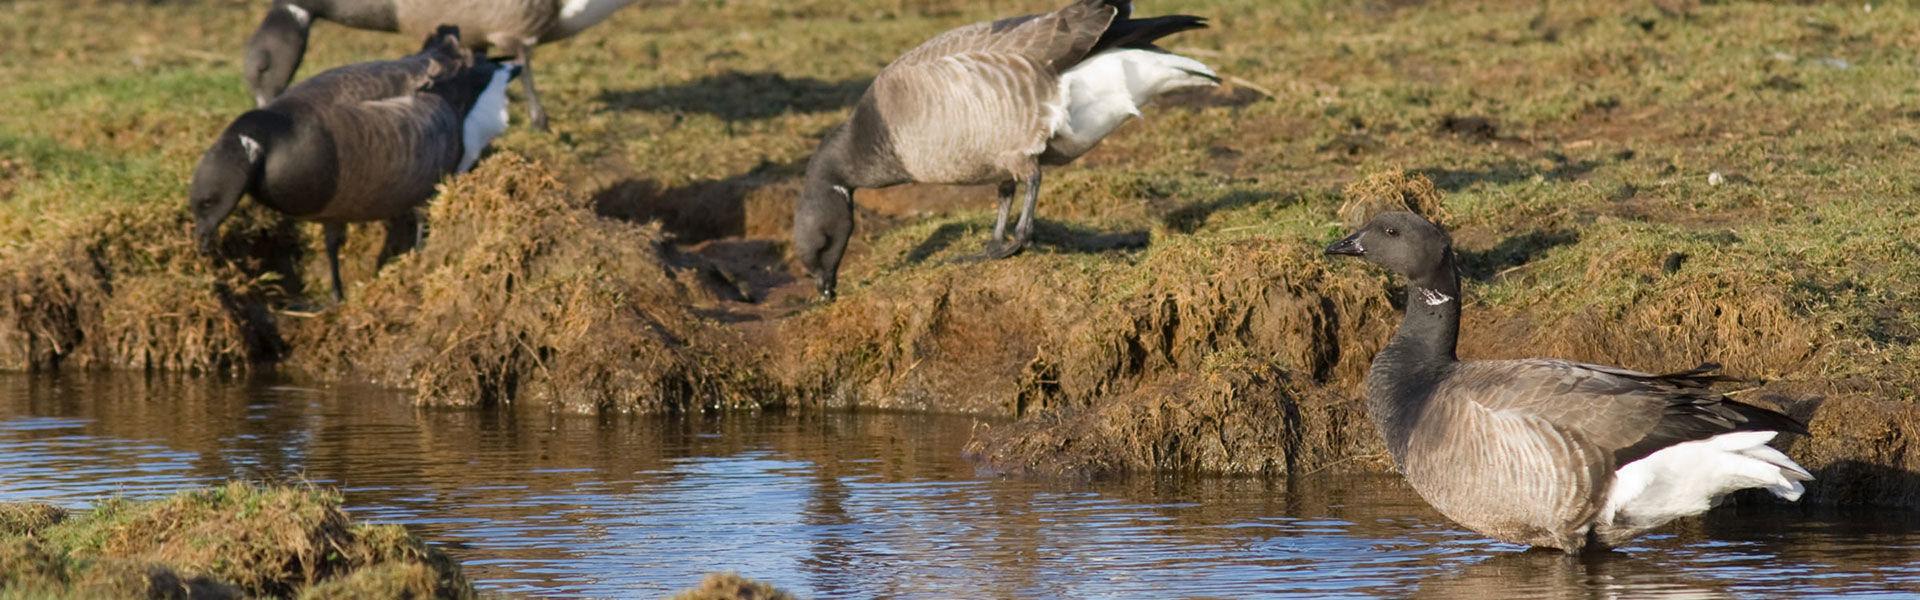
(1108, 89)
(487, 119)
(576, 15)
(1686, 479)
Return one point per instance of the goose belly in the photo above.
(1105, 91)
(1689, 478)
(1507, 476)
(482, 23)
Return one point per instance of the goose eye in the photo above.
(1392, 231)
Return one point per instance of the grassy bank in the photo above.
(233, 541)
(1645, 183)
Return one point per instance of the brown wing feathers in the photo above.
(1695, 412)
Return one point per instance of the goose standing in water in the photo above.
(989, 103)
(1546, 452)
(362, 142)
(514, 26)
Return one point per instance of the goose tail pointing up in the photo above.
(1142, 33)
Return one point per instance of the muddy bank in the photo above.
(1210, 342)
(232, 541)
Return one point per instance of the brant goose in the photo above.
(989, 103)
(1546, 452)
(362, 142)
(513, 26)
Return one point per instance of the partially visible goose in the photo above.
(362, 142)
(1549, 452)
(514, 26)
(989, 103)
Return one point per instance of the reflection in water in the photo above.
(1553, 575)
(860, 505)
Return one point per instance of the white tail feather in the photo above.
(487, 120)
(1104, 91)
(576, 15)
(1686, 479)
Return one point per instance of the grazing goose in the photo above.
(989, 103)
(1549, 452)
(513, 26)
(362, 142)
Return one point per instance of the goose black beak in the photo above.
(1347, 246)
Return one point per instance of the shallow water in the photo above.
(863, 506)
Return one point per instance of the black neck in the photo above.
(859, 153)
(1431, 328)
(1419, 354)
(296, 172)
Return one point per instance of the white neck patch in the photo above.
(300, 14)
(253, 149)
(1434, 298)
(843, 190)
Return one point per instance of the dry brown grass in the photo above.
(229, 541)
(522, 293)
(1391, 190)
(125, 289)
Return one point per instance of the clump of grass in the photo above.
(25, 518)
(522, 293)
(732, 586)
(228, 541)
(1391, 190)
(125, 288)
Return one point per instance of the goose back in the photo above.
(975, 104)
(372, 130)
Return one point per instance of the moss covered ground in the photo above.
(1648, 183)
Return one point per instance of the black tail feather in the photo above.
(1695, 412)
(1141, 33)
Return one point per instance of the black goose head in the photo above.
(275, 50)
(226, 172)
(230, 169)
(1402, 241)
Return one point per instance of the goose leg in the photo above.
(402, 233)
(535, 114)
(336, 235)
(1006, 202)
(1022, 232)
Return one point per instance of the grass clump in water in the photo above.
(229, 541)
(732, 586)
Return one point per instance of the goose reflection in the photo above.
(1555, 576)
